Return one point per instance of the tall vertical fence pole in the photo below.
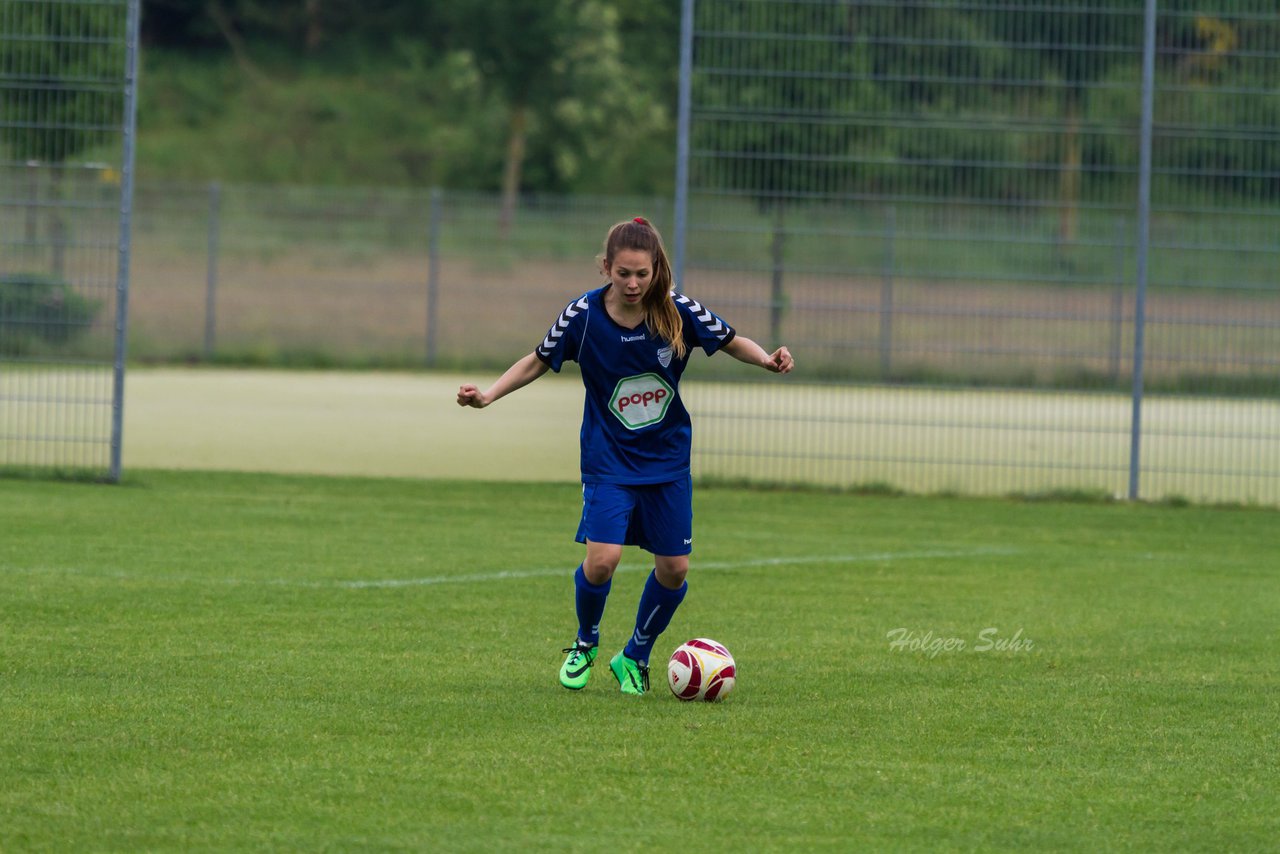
(130, 125)
(211, 271)
(433, 270)
(683, 111)
(1144, 235)
(1117, 304)
(886, 293)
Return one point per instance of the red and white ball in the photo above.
(701, 669)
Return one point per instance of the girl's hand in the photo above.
(469, 395)
(744, 349)
(519, 375)
(780, 361)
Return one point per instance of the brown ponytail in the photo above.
(660, 312)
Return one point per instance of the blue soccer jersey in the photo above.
(635, 429)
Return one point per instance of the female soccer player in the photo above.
(632, 339)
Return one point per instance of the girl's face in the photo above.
(631, 274)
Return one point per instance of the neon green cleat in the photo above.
(576, 669)
(632, 676)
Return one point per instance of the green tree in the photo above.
(566, 73)
(931, 104)
(1073, 52)
(1221, 109)
(547, 95)
(518, 45)
(778, 111)
(61, 69)
(605, 123)
(58, 63)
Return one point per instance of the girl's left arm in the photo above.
(744, 349)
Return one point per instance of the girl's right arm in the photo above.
(517, 376)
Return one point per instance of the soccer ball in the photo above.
(701, 669)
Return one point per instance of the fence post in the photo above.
(777, 289)
(1144, 234)
(211, 271)
(33, 206)
(683, 109)
(433, 270)
(1117, 304)
(886, 293)
(129, 131)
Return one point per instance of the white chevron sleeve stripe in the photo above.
(558, 328)
(704, 316)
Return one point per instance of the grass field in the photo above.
(247, 662)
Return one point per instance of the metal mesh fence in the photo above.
(318, 277)
(412, 278)
(1213, 307)
(924, 196)
(66, 94)
(932, 203)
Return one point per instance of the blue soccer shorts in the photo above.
(656, 517)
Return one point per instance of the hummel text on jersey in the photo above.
(627, 338)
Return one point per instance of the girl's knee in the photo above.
(671, 571)
(600, 563)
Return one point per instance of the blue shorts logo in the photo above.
(641, 400)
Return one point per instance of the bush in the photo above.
(39, 312)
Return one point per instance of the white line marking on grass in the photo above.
(480, 577)
(507, 575)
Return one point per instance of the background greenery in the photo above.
(434, 94)
(39, 312)
(579, 96)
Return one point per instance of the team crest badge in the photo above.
(664, 357)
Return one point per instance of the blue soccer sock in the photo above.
(589, 599)
(657, 606)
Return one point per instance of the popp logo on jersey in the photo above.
(641, 400)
